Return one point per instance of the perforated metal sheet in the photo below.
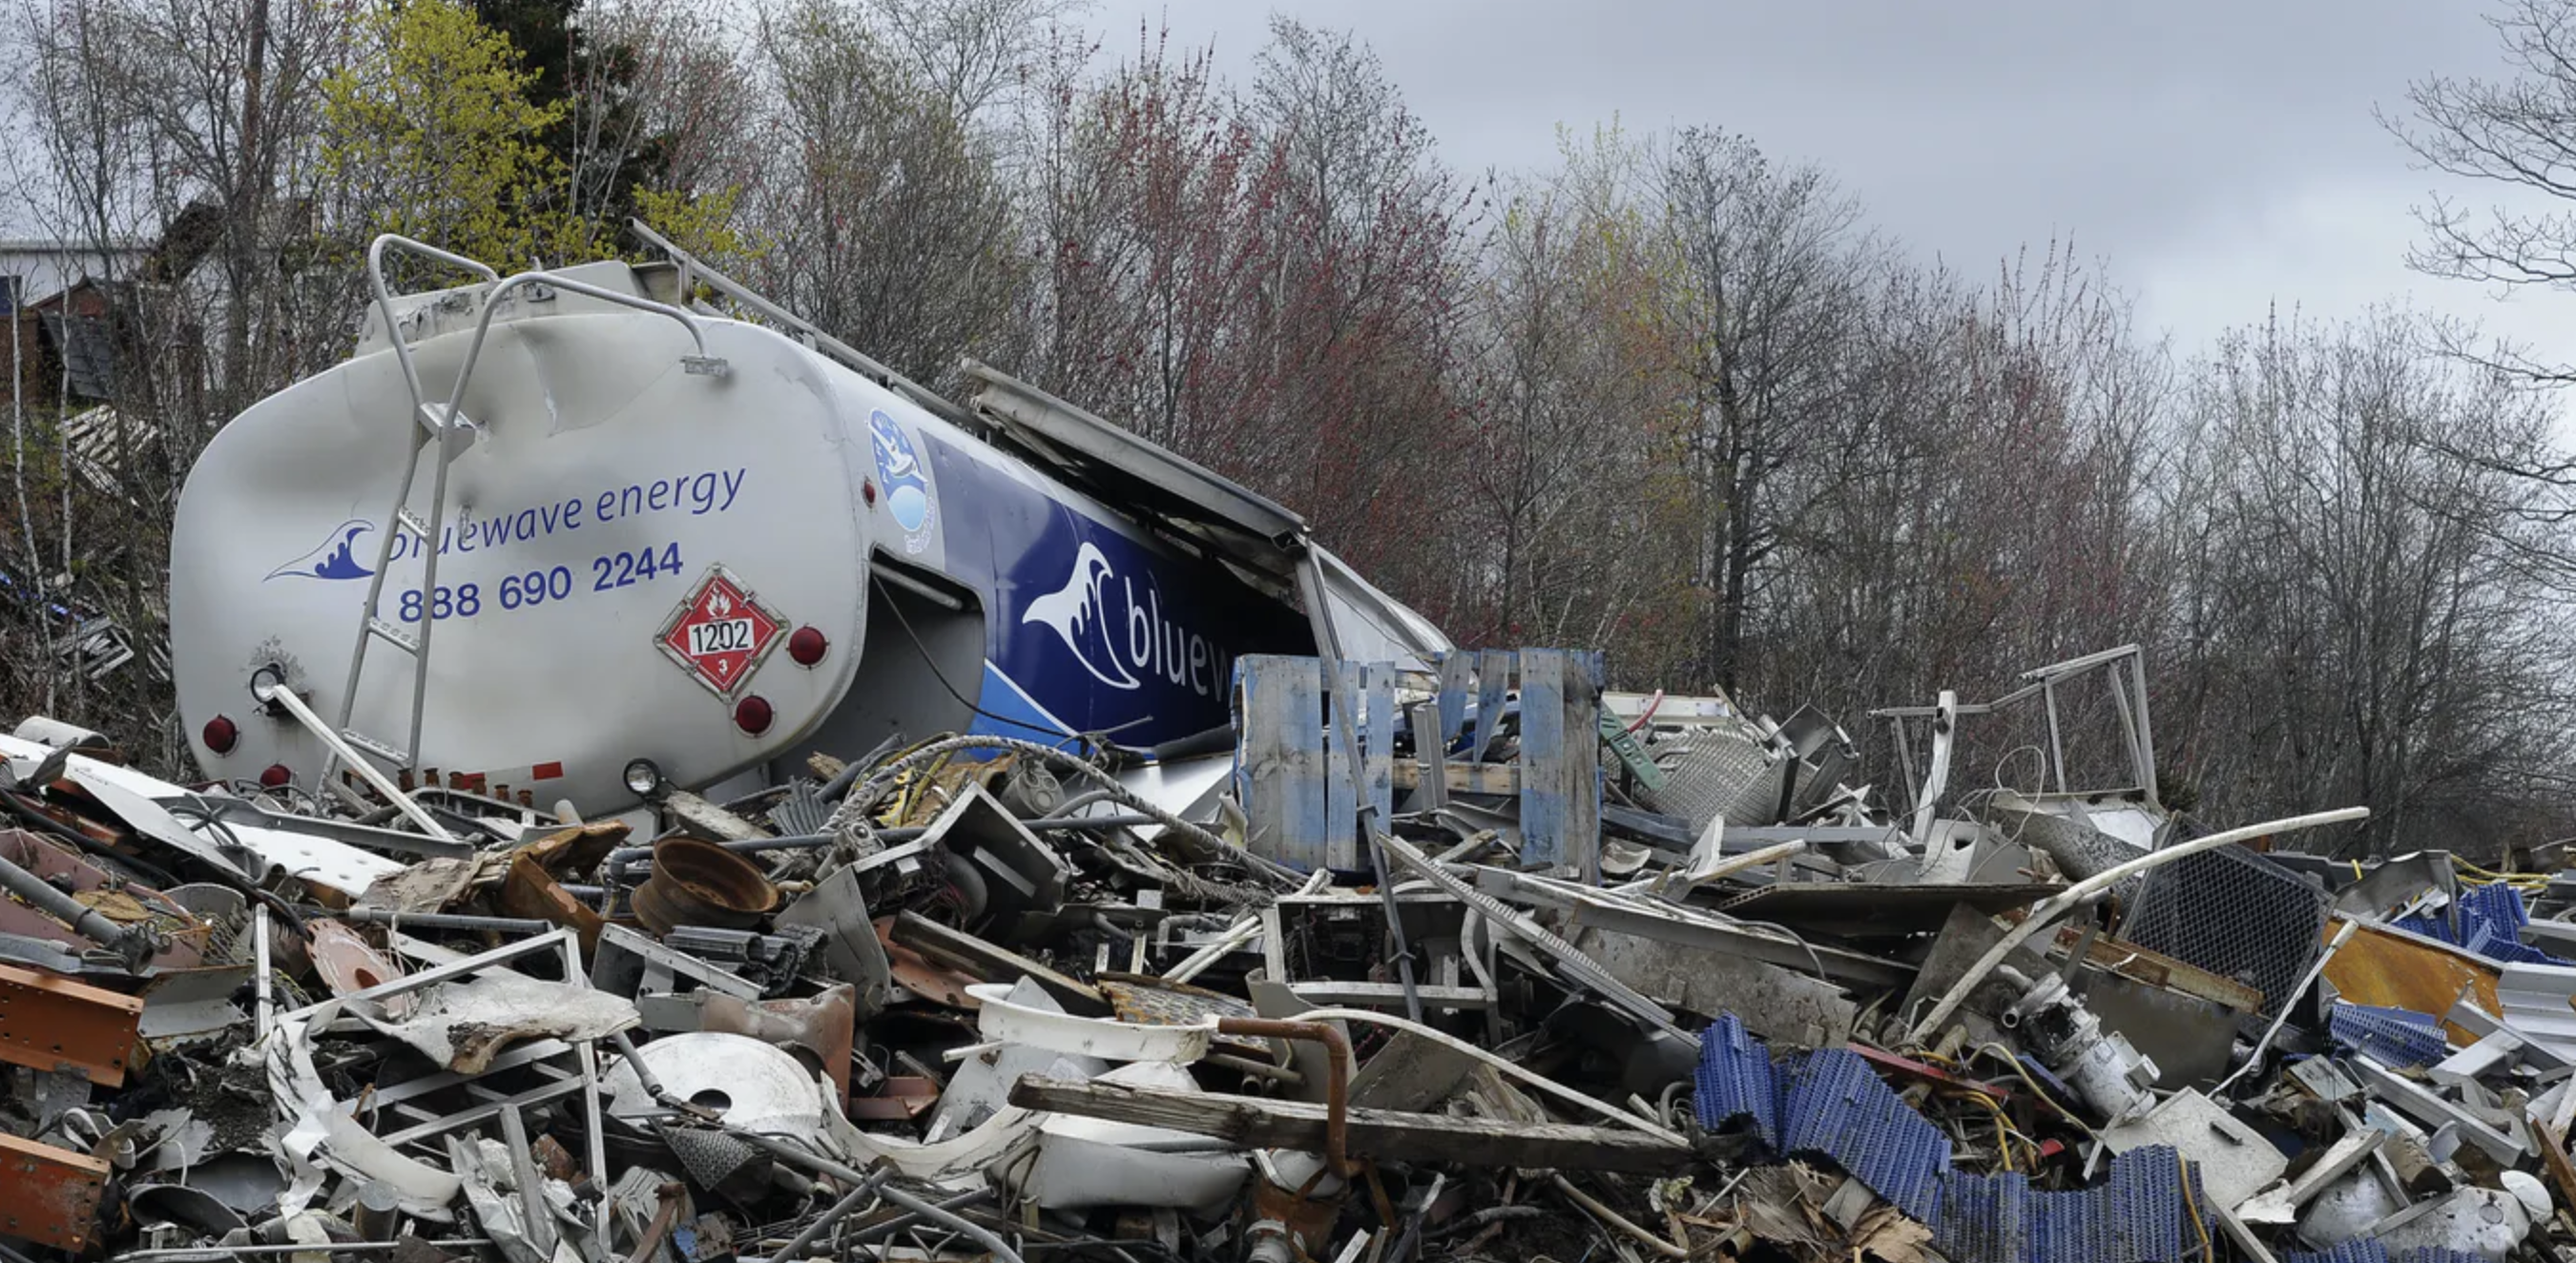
(2235, 914)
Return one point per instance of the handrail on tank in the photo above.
(384, 298)
(442, 428)
(700, 363)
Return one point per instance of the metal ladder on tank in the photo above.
(446, 428)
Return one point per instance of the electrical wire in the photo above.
(2014, 1061)
(2191, 1205)
(935, 673)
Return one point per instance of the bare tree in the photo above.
(2365, 633)
(876, 215)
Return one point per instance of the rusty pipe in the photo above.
(1337, 1084)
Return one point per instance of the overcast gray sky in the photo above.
(2219, 156)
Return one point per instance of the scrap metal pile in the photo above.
(1483, 963)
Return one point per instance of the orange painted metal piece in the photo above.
(50, 1023)
(2385, 967)
(49, 1195)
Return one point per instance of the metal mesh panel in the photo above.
(2235, 914)
(1715, 773)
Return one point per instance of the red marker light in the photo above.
(221, 734)
(868, 490)
(752, 714)
(806, 646)
(276, 775)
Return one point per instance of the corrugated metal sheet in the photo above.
(1736, 1080)
(2534, 1001)
(2399, 1037)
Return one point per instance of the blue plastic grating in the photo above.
(2399, 1037)
(2366, 1250)
(1833, 1104)
(2491, 920)
(1736, 1080)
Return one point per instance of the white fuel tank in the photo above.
(629, 549)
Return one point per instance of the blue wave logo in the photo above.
(907, 492)
(1077, 613)
(335, 558)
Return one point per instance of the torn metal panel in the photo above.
(2429, 1108)
(2535, 1001)
(1773, 1002)
(48, 1023)
(2234, 1160)
(49, 1196)
(1877, 910)
(1681, 923)
(462, 1025)
(837, 907)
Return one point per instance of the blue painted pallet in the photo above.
(1302, 778)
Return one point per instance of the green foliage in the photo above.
(431, 133)
(701, 223)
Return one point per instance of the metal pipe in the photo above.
(438, 920)
(935, 1212)
(909, 833)
(2046, 912)
(894, 1193)
(134, 944)
(1337, 1084)
(822, 1223)
(1244, 930)
(268, 688)
(293, 1247)
(908, 1218)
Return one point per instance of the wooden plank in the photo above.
(1279, 757)
(1429, 774)
(1329, 991)
(1560, 762)
(1377, 740)
(1493, 680)
(1384, 1135)
(1463, 778)
(1341, 720)
(1457, 678)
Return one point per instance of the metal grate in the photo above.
(2236, 914)
(1719, 771)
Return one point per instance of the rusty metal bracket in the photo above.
(48, 1023)
(1337, 1085)
(48, 1195)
